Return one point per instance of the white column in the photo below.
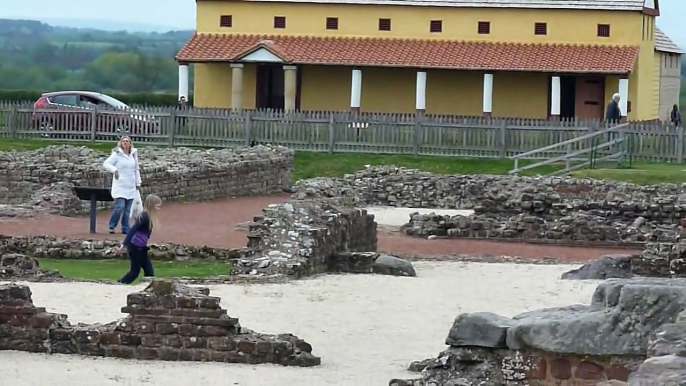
(420, 100)
(555, 94)
(488, 94)
(356, 90)
(236, 86)
(183, 80)
(624, 96)
(289, 87)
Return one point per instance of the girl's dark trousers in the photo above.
(138, 256)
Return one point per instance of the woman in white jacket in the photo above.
(123, 164)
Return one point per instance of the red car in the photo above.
(72, 111)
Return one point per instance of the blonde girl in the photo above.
(136, 241)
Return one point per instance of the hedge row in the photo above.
(148, 98)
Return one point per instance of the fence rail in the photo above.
(333, 132)
(613, 147)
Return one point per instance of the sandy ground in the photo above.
(366, 328)
(392, 218)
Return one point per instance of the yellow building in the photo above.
(501, 58)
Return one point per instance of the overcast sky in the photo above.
(180, 14)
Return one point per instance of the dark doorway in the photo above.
(567, 97)
(590, 95)
(270, 84)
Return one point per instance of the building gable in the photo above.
(261, 55)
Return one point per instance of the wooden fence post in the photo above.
(568, 159)
(13, 122)
(247, 127)
(503, 139)
(332, 133)
(94, 123)
(680, 144)
(417, 133)
(172, 130)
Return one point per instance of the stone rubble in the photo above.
(666, 364)
(558, 209)
(43, 179)
(370, 262)
(15, 266)
(576, 228)
(167, 321)
(607, 340)
(605, 267)
(298, 238)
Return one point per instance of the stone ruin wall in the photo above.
(610, 340)
(546, 210)
(301, 236)
(44, 178)
(293, 239)
(166, 321)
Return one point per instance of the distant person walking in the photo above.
(123, 164)
(136, 241)
(675, 116)
(613, 114)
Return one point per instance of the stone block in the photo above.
(482, 329)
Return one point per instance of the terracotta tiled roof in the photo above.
(665, 44)
(415, 53)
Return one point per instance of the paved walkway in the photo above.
(214, 224)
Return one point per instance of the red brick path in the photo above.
(213, 224)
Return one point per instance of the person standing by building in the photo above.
(675, 116)
(613, 114)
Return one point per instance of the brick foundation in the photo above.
(166, 321)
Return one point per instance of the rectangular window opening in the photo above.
(484, 27)
(280, 22)
(436, 26)
(604, 30)
(226, 21)
(384, 24)
(331, 23)
(540, 29)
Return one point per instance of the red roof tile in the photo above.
(383, 52)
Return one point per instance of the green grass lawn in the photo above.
(115, 269)
(309, 164)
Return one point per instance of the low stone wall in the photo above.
(576, 228)
(59, 248)
(548, 198)
(172, 173)
(584, 345)
(298, 238)
(166, 321)
(551, 209)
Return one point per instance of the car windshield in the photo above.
(114, 102)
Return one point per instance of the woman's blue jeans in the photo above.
(121, 207)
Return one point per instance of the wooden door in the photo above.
(590, 97)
